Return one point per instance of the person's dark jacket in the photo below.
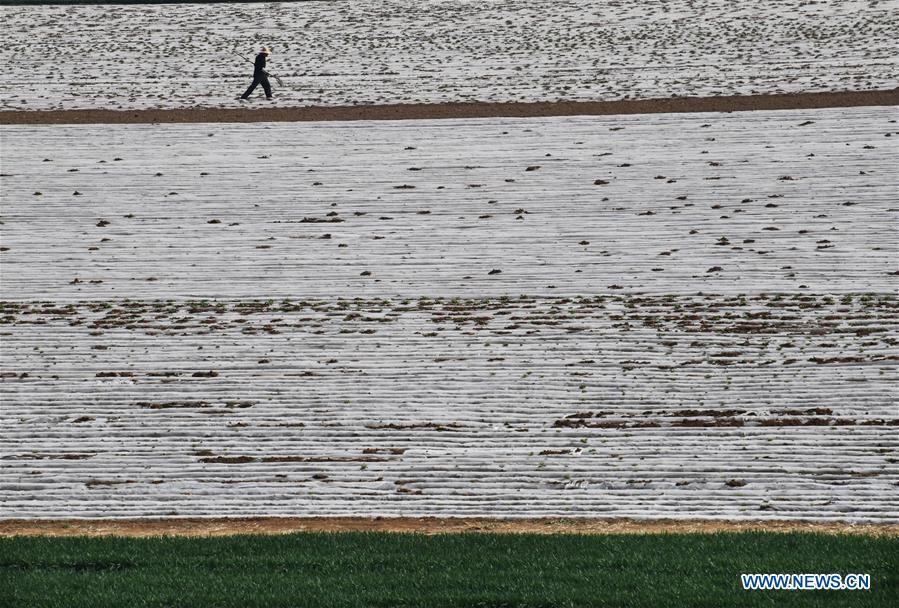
(259, 70)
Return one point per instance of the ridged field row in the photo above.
(741, 407)
(778, 201)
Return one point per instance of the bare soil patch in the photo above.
(423, 525)
(413, 111)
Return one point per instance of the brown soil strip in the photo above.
(733, 103)
(424, 525)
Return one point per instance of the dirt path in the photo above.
(426, 525)
(257, 112)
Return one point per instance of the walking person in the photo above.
(260, 76)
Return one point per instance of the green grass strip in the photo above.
(388, 569)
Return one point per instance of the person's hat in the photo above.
(266, 50)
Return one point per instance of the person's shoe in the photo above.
(270, 98)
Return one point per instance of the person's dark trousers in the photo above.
(257, 80)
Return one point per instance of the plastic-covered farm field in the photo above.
(687, 316)
(405, 51)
